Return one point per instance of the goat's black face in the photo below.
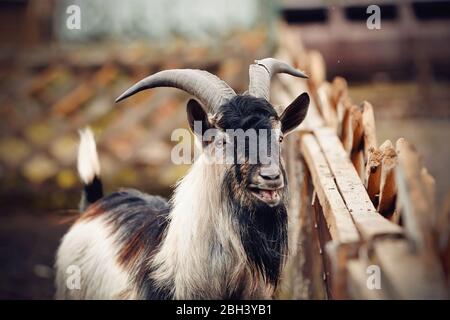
(254, 134)
(249, 133)
(247, 136)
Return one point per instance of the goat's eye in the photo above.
(280, 139)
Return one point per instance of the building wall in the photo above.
(159, 19)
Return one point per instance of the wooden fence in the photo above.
(363, 219)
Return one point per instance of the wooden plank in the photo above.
(406, 274)
(352, 129)
(296, 278)
(347, 130)
(303, 275)
(373, 174)
(429, 184)
(322, 236)
(338, 91)
(388, 187)
(368, 123)
(357, 282)
(357, 126)
(357, 158)
(316, 69)
(338, 255)
(367, 220)
(357, 154)
(340, 111)
(310, 233)
(418, 208)
(327, 110)
(338, 218)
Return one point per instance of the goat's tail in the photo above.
(89, 169)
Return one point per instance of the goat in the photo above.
(223, 235)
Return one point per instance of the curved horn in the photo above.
(208, 88)
(263, 70)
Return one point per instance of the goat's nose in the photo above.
(271, 172)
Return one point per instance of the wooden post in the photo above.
(316, 69)
(418, 209)
(357, 281)
(373, 174)
(338, 91)
(405, 273)
(347, 130)
(303, 271)
(368, 122)
(327, 110)
(388, 188)
(339, 254)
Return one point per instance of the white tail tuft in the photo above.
(88, 164)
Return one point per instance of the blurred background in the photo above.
(57, 76)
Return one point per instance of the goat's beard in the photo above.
(262, 229)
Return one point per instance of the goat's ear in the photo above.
(197, 118)
(295, 113)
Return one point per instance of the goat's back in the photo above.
(106, 253)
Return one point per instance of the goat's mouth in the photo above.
(269, 195)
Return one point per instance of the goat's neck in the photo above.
(200, 246)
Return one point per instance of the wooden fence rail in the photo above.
(364, 224)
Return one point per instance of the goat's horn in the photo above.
(209, 89)
(263, 70)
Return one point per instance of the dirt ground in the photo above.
(28, 241)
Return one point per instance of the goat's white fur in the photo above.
(90, 248)
(201, 242)
(199, 225)
(88, 163)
